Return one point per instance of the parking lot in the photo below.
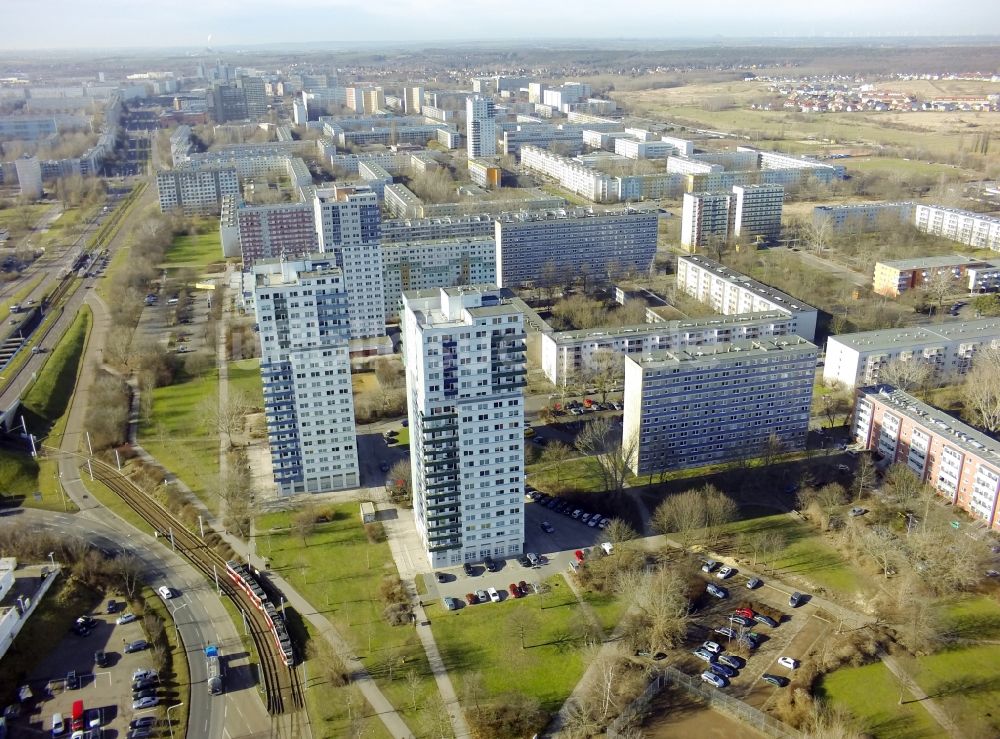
(799, 630)
(106, 691)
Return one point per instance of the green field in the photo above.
(902, 167)
(339, 572)
(49, 397)
(176, 434)
(197, 251)
(871, 694)
(244, 377)
(806, 556)
(477, 639)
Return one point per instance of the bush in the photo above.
(375, 532)
(509, 714)
(398, 614)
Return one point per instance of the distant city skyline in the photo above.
(188, 24)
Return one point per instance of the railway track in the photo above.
(282, 686)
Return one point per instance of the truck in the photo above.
(214, 668)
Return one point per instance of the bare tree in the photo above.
(906, 374)
(903, 483)
(864, 476)
(659, 598)
(770, 449)
(981, 390)
(304, 521)
(226, 418)
(399, 481)
(769, 544)
(619, 532)
(682, 514)
(602, 440)
(129, 571)
(607, 371)
(882, 546)
(555, 454)
(940, 285)
(521, 623)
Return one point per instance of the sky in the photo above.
(66, 24)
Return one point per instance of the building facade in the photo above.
(706, 219)
(347, 222)
(862, 217)
(973, 229)
(196, 191)
(424, 265)
(604, 246)
(896, 277)
(960, 463)
(716, 403)
(286, 231)
(301, 309)
(465, 376)
(758, 212)
(569, 355)
(731, 293)
(480, 127)
(947, 349)
(29, 176)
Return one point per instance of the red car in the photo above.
(514, 590)
(745, 612)
(523, 587)
(471, 599)
(579, 555)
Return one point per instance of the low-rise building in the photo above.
(711, 404)
(973, 229)
(959, 462)
(196, 190)
(896, 277)
(947, 349)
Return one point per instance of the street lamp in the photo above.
(52, 559)
(175, 612)
(170, 725)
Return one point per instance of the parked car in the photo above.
(577, 512)
(741, 620)
(166, 592)
(744, 611)
(112, 606)
(440, 577)
(471, 599)
(450, 604)
(727, 631)
(776, 680)
(711, 646)
(136, 646)
(533, 558)
(142, 673)
(703, 654)
(547, 527)
(604, 523)
(138, 695)
(514, 590)
(796, 599)
(710, 565)
(754, 582)
(72, 681)
(523, 587)
(725, 573)
(767, 620)
(595, 521)
(494, 595)
(490, 565)
(722, 670)
(737, 663)
(524, 561)
(143, 683)
(101, 658)
(467, 569)
(790, 662)
(579, 555)
(482, 596)
(142, 703)
(712, 679)
(716, 591)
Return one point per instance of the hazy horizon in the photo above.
(184, 24)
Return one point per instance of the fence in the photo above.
(714, 697)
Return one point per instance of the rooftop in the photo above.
(915, 336)
(948, 260)
(960, 434)
(749, 349)
(781, 299)
(665, 327)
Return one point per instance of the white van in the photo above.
(58, 727)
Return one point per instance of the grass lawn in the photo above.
(113, 502)
(403, 439)
(339, 572)
(477, 639)
(893, 165)
(972, 617)
(196, 251)
(176, 683)
(176, 435)
(608, 608)
(50, 622)
(578, 474)
(22, 478)
(806, 556)
(244, 377)
(965, 682)
(871, 694)
(49, 397)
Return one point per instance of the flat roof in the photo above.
(662, 327)
(960, 434)
(914, 336)
(750, 349)
(738, 278)
(948, 260)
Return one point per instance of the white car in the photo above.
(712, 679)
(494, 595)
(788, 662)
(533, 558)
(126, 618)
(165, 592)
(712, 647)
(725, 572)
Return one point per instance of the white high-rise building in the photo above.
(29, 177)
(706, 219)
(301, 310)
(413, 100)
(347, 221)
(465, 376)
(758, 211)
(480, 127)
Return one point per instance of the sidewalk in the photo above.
(937, 713)
(407, 551)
